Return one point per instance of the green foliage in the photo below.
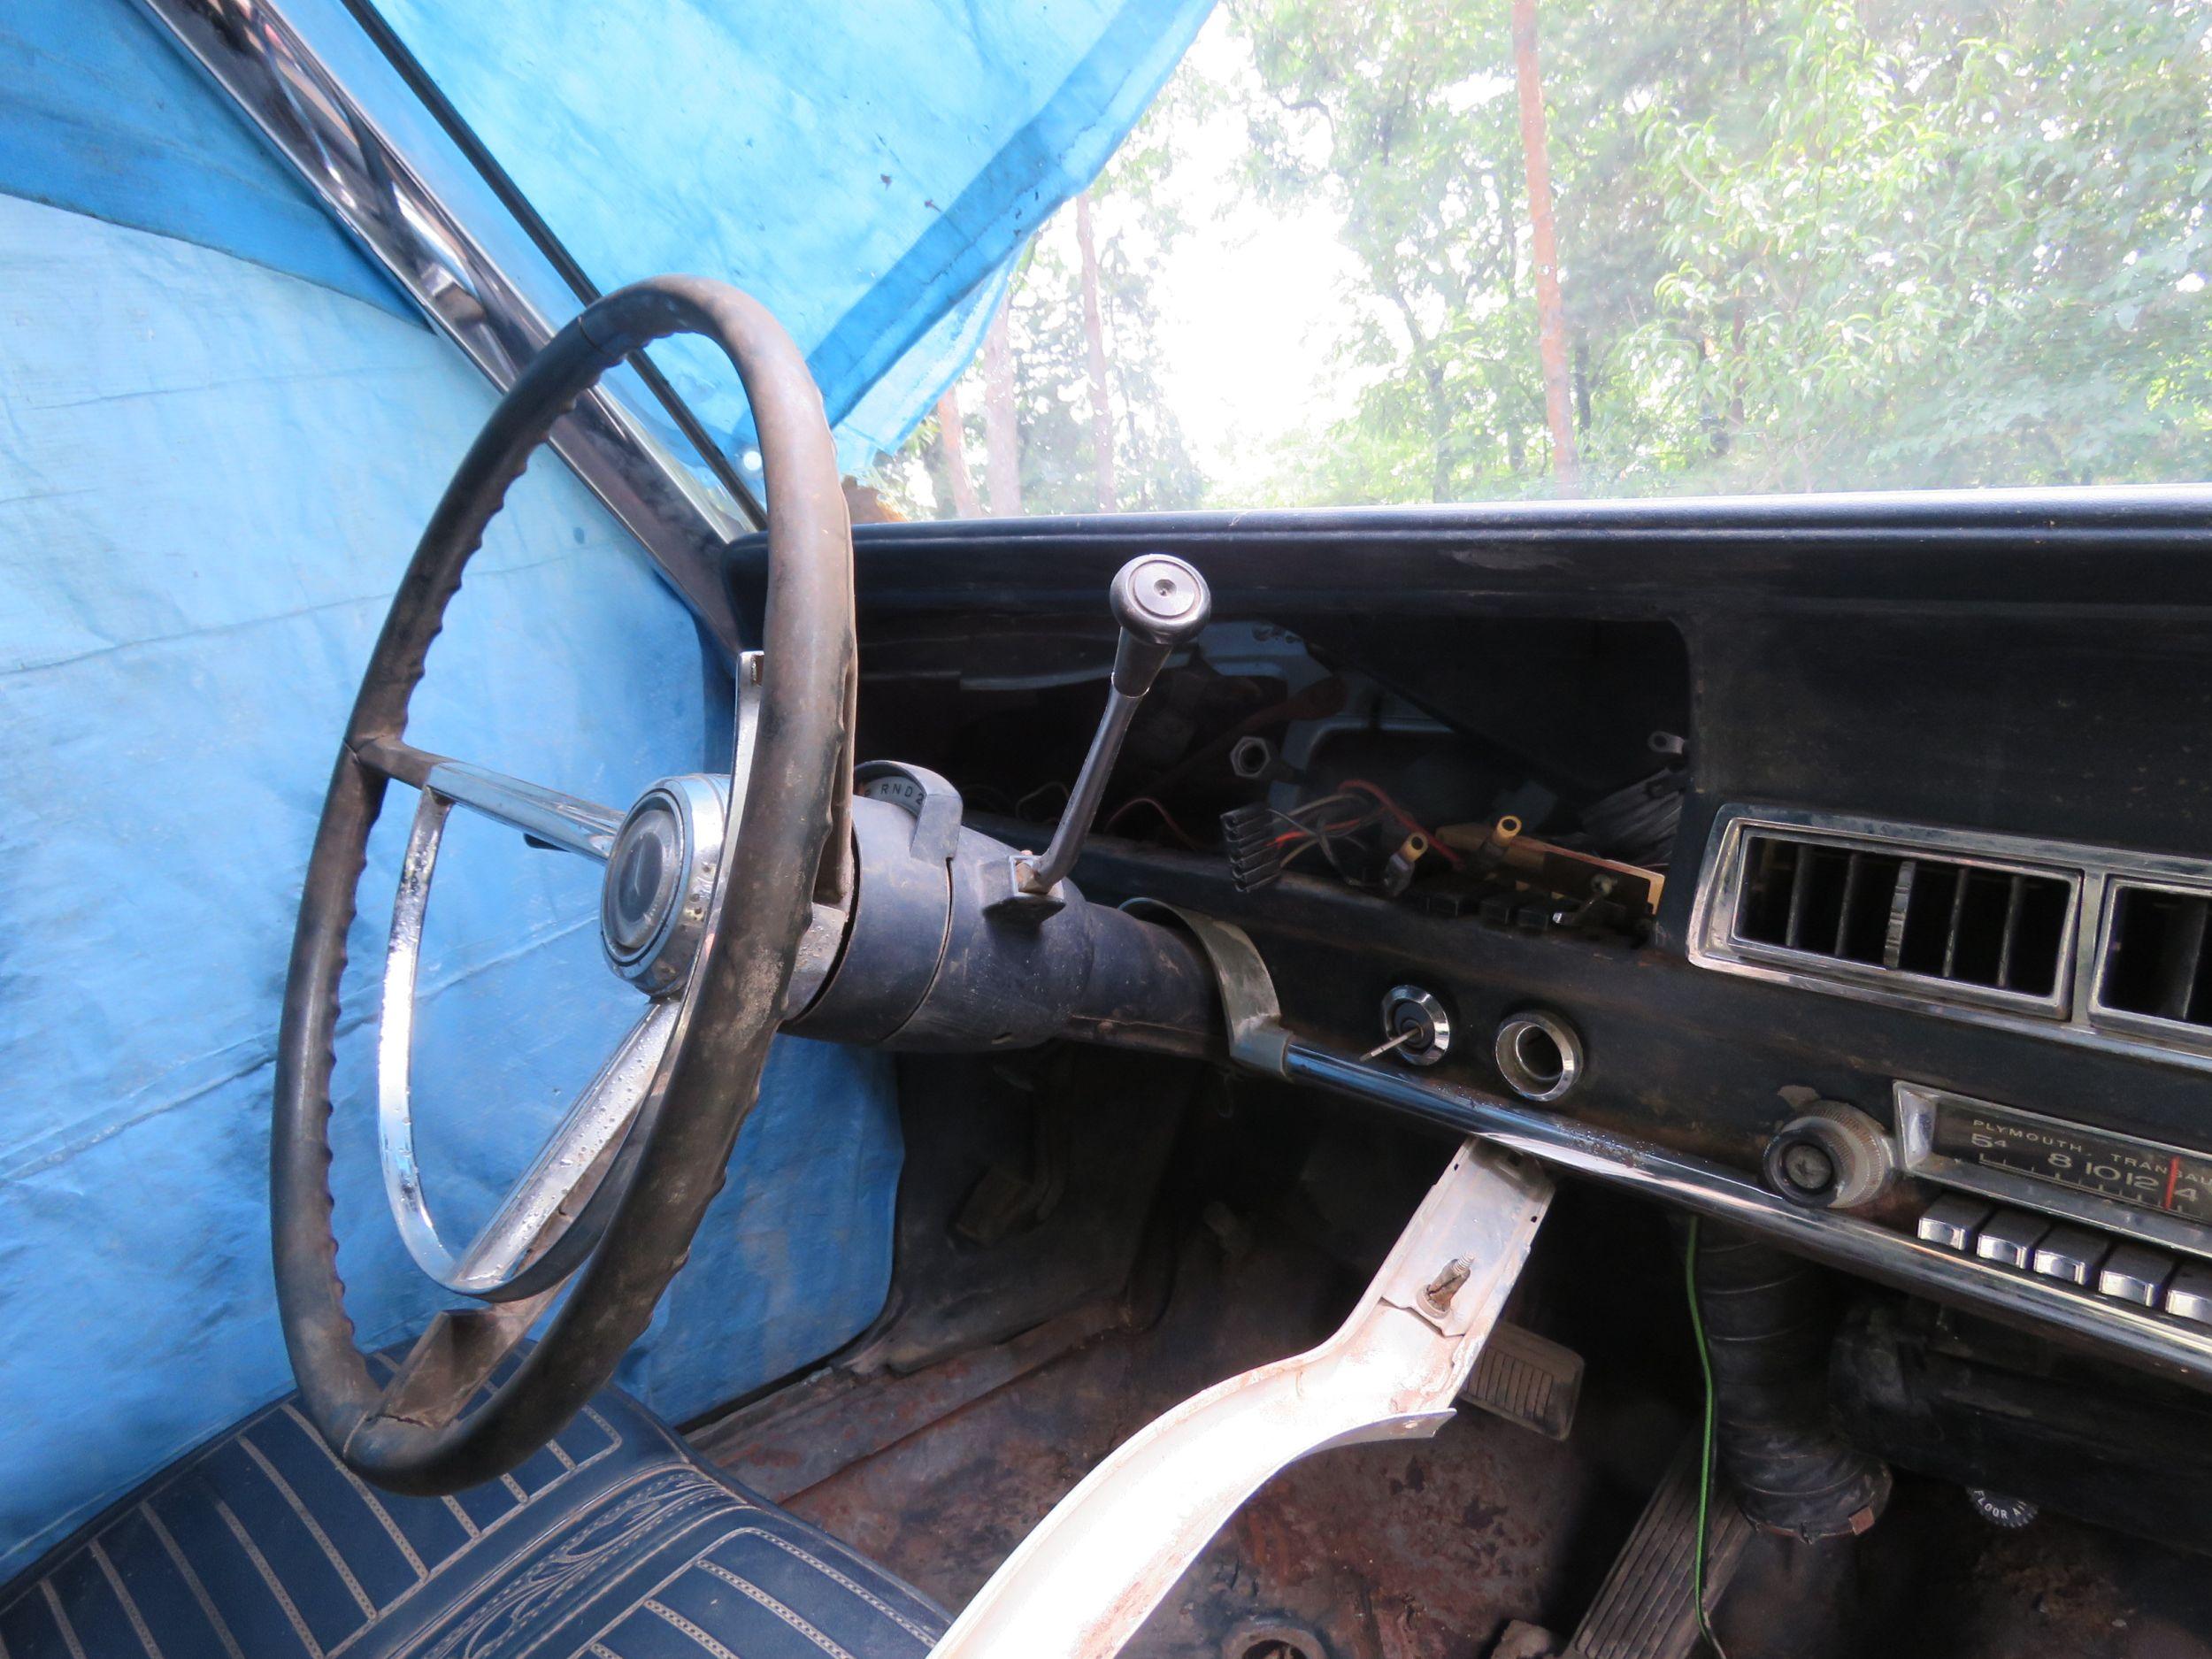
(1153, 463)
(1052, 389)
(1804, 243)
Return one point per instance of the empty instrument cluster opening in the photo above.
(1531, 777)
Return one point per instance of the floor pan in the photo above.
(1427, 1550)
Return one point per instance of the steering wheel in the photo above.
(712, 886)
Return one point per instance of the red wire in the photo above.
(1318, 832)
(1166, 818)
(1402, 815)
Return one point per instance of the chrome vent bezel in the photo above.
(2073, 1013)
(1926, 848)
(2150, 1028)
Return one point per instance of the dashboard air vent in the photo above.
(1896, 910)
(2099, 946)
(2155, 955)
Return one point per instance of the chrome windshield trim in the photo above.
(316, 124)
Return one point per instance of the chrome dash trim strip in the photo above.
(1713, 1190)
(313, 121)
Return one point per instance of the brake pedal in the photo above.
(1643, 1609)
(1527, 1379)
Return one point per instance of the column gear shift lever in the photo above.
(1161, 604)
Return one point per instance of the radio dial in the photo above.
(1830, 1156)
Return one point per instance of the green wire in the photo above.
(1705, 1459)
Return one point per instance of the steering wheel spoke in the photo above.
(454, 1358)
(546, 816)
(555, 1193)
(526, 1245)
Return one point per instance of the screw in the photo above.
(1439, 1291)
(1808, 1167)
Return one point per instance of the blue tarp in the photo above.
(221, 430)
(870, 170)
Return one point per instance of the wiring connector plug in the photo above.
(1251, 837)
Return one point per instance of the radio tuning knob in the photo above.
(1830, 1156)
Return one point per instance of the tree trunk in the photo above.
(952, 448)
(1551, 321)
(1095, 338)
(1439, 431)
(1001, 443)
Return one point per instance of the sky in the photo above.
(1247, 301)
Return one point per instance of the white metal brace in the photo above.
(1078, 1586)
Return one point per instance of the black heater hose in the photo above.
(1767, 1334)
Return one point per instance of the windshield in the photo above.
(1445, 251)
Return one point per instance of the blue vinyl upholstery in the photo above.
(613, 1542)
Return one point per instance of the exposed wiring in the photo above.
(1405, 817)
(1166, 818)
(1301, 834)
(1021, 807)
(1705, 1456)
(1302, 837)
(1329, 821)
(1314, 805)
(1296, 818)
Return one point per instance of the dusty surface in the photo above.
(1942, 1583)
(1385, 1552)
(1427, 1551)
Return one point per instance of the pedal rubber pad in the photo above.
(1643, 1609)
(1527, 1379)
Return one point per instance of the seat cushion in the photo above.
(613, 1542)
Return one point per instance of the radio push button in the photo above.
(1953, 1222)
(2190, 1295)
(2132, 1273)
(2009, 1238)
(2071, 1254)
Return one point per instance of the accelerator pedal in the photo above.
(1527, 1379)
(1643, 1609)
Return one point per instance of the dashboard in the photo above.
(1862, 845)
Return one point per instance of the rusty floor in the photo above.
(1385, 1552)
(1426, 1551)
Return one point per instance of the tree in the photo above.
(1094, 357)
(1803, 243)
(1001, 434)
(952, 452)
(1402, 118)
(1551, 325)
(1793, 245)
(1952, 254)
(1070, 365)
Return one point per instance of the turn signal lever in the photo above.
(1162, 604)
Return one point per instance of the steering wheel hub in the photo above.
(660, 886)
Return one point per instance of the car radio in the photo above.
(2155, 1197)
